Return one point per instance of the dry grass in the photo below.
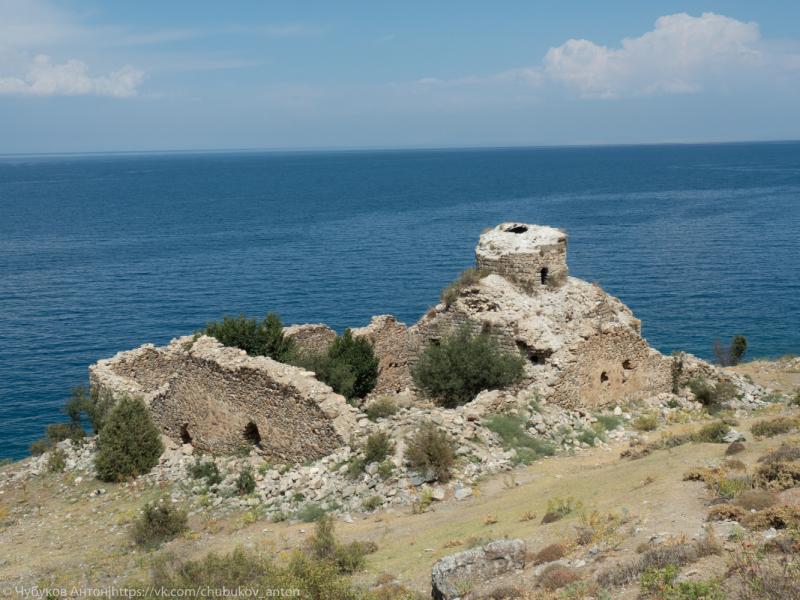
(527, 516)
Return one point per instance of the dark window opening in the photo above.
(536, 357)
(544, 275)
(251, 433)
(603, 377)
(627, 364)
(518, 229)
(185, 437)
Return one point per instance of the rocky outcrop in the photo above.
(218, 398)
(478, 565)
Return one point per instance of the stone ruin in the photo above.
(216, 398)
(584, 349)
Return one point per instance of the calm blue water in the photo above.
(104, 253)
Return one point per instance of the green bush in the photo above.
(462, 365)
(349, 365)
(207, 469)
(159, 523)
(311, 512)
(324, 546)
(129, 443)
(249, 569)
(511, 430)
(385, 469)
(257, 339)
(609, 422)
(677, 370)
(380, 409)
(662, 585)
(431, 448)
(57, 461)
(712, 433)
(712, 396)
(245, 482)
(371, 503)
(645, 423)
(378, 448)
(773, 427)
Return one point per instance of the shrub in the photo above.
(549, 554)
(734, 448)
(245, 482)
(348, 557)
(556, 577)
(431, 448)
(249, 569)
(358, 354)
(53, 434)
(462, 364)
(159, 523)
(712, 396)
(551, 517)
(662, 585)
(778, 517)
(723, 512)
(610, 422)
(729, 356)
(207, 469)
(57, 461)
(465, 279)
(378, 447)
(712, 433)
(785, 453)
(755, 500)
(562, 506)
(371, 503)
(645, 423)
(773, 427)
(311, 512)
(677, 370)
(778, 476)
(511, 430)
(129, 443)
(385, 469)
(380, 409)
(349, 365)
(257, 339)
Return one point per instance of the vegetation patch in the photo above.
(349, 365)
(159, 523)
(464, 364)
(511, 430)
(381, 408)
(773, 427)
(324, 546)
(378, 447)
(129, 444)
(466, 278)
(264, 338)
(713, 433)
(431, 448)
(205, 469)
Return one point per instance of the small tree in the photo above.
(462, 365)
(431, 448)
(257, 339)
(358, 354)
(129, 443)
(349, 365)
(677, 370)
(730, 356)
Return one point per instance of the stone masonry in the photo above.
(529, 253)
(218, 398)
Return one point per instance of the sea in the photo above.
(103, 253)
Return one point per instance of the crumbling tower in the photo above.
(522, 252)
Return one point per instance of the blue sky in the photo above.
(82, 76)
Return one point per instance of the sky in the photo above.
(90, 76)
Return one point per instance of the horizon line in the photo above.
(344, 149)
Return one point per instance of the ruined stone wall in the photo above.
(311, 337)
(217, 398)
(614, 366)
(527, 267)
(390, 341)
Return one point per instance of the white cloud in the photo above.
(683, 54)
(71, 79)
